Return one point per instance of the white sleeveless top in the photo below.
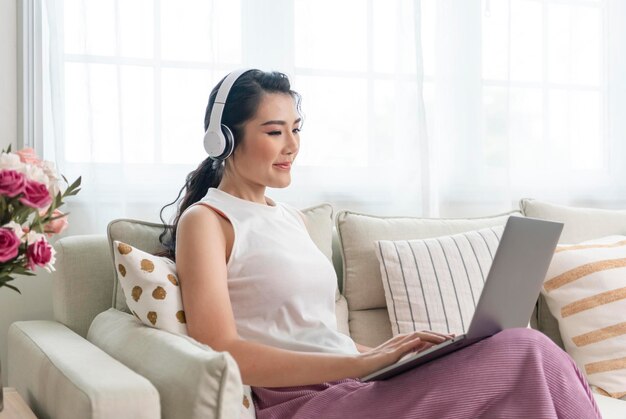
(281, 286)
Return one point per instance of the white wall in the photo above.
(35, 302)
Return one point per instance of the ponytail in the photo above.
(208, 175)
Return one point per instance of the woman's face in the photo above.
(271, 137)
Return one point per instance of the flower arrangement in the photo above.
(30, 195)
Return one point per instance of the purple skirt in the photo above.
(517, 373)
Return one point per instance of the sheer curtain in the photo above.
(421, 108)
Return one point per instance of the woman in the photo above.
(254, 284)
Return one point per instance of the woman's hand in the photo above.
(397, 347)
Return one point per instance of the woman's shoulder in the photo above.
(202, 219)
(202, 209)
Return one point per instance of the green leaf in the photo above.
(10, 286)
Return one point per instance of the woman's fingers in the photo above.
(440, 335)
(435, 333)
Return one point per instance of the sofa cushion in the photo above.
(193, 380)
(585, 289)
(362, 282)
(580, 224)
(145, 235)
(434, 284)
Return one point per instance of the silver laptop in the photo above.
(509, 294)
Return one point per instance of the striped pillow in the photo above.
(434, 284)
(585, 289)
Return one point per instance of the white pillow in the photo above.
(434, 284)
(585, 290)
(150, 285)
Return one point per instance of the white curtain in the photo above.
(421, 108)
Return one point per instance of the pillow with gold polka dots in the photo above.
(151, 288)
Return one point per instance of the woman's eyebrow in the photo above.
(277, 122)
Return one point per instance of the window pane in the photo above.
(89, 27)
(559, 127)
(586, 139)
(92, 113)
(394, 36)
(587, 51)
(526, 40)
(331, 34)
(200, 30)
(495, 40)
(526, 112)
(429, 107)
(105, 111)
(136, 28)
(574, 44)
(575, 129)
(495, 126)
(77, 127)
(334, 131)
(429, 19)
(184, 97)
(394, 121)
(137, 103)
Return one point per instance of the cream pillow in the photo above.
(585, 290)
(434, 284)
(152, 292)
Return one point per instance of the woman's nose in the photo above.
(293, 144)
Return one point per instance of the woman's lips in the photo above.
(286, 166)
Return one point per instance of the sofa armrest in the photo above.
(61, 375)
(194, 381)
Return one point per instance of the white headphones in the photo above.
(218, 138)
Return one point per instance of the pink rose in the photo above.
(38, 253)
(12, 182)
(28, 156)
(36, 195)
(9, 244)
(56, 226)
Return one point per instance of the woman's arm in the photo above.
(201, 267)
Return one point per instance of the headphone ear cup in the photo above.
(214, 144)
(229, 142)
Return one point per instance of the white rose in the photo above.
(17, 229)
(32, 237)
(36, 174)
(53, 177)
(10, 161)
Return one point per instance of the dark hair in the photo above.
(241, 106)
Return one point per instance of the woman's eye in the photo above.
(274, 133)
(297, 130)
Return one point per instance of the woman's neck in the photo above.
(253, 194)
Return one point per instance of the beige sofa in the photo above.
(95, 359)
